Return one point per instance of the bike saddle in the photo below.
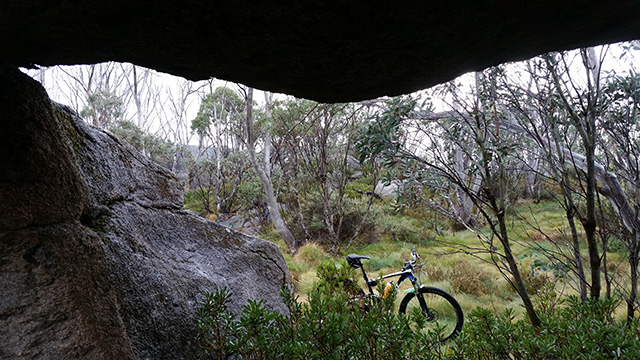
(355, 260)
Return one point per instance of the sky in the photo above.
(168, 101)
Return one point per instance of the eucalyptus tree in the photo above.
(560, 115)
(99, 92)
(568, 120)
(103, 108)
(468, 128)
(96, 90)
(143, 90)
(174, 123)
(621, 148)
(536, 112)
(218, 122)
(314, 145)
(292, 122)
(133, 102)
(263, 167)
(583, 109)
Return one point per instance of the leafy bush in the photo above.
(324, 328)
(573, 331)
(353, 210)
(157, 149)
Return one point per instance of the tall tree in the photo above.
(622, 150)
(314, 145)
(608, 112)
(263, 169)
(386, 136)
(584, 119)
(103, 108)
(217, 122)
(534, 105)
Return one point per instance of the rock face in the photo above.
(330, 50)
(97, 259)
(390, 190)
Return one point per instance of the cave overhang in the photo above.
(329, 51)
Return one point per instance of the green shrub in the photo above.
(324, 328)
(353, 210)
(215, 325)
(573, 331)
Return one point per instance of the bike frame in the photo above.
(420, 292)
(403, 275)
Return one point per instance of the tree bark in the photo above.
(265, 179)
(577, 257)
(634, 249)
(499, 212)
(499, 209)
(464, 203)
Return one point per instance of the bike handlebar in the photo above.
(414, 255)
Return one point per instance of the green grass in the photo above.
(472, 279)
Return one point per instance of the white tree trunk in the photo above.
(464, 203)
(265, 179)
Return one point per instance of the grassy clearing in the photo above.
(455, 261)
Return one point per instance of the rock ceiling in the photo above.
(328, 51)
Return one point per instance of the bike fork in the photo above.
(423, 304)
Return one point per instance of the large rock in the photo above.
(387, 190)
(332, 50)
(97, 258)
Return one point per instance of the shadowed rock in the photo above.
(97, 258)
(332, 51)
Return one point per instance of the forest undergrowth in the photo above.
(453, 260)
(496, 325)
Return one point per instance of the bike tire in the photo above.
(443, 312)
(357, 298)
(352, 289)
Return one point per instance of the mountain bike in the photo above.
(433, 308)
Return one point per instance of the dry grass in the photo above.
(434, 273)
(469, 278)
(311, 254)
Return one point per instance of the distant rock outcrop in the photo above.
(387, 190)
(97, 258)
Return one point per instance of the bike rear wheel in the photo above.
(442, 314)
(356, 297)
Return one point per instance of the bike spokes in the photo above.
(440, 315)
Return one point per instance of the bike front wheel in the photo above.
(440, 313)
